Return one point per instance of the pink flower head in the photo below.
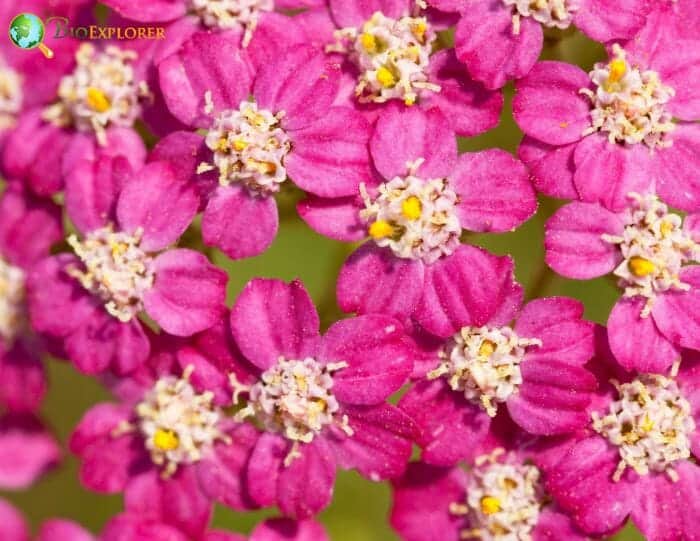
(498, 494)
(251, 147)
(534, 368)
(627, 126)
(13, 527)
(637, 457)
(499, 40)
(319, 400)
(414, 216)
(386, 50)
(651, 252)
(122, 267)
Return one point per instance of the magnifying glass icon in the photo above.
(27, 32)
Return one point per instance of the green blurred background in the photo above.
(359, 509)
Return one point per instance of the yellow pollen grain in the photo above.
(487, 348)
(166, 440)
(368, 42)
(666, 228)
(411, 208)
(490, 505)
(617, 67)
(97, 100)
(380, 229)
(239, 144)
(419, 30)
(641, 267)
(647, 424)
(385, 77)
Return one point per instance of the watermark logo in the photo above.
(27, 32)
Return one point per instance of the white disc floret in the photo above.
(629, 104)
(12, 302)
(10, 96)
(655, 247)
(248, 147)
(179, 425)
(101, 92)
(116, 270)
(232, 14)
(392, 56)
(484, 364)
(549, 13)
(650, 423)
(415, 218)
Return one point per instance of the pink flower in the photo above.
(13, 527)
(499, 40)
(649, 250)
(415, 215)
(534, 368)
(121, 267)
(599, 136)
(498, 491)
(251, 147)
(636, 456)
(386, 53)
(319, 400)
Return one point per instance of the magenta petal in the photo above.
(264, 467)
(378, 355)
(468, 106)
(373, 280)
(184, 151)
(330, 158)
(636, 342)
(153, 11)
(404, 134)
(464, 289)
(494, 191)
(271, 319)
(356, 13)
(108, 466)
(552, 398)
(573, 243)
(189, 292)
(129, 527)
(303, 83)
(380, 446)
(451, 428)
(96, 425)
(12, 524)
(239, 223)
(188, 75)
(65, 530)
(595, 19)
(675, 312)
(552, 167)
(548, 105)
(284, 529)
(677, 166)
(338, 218)
(689, 383)
(555, 525)
(422, 500)
(22, 377)
(27, 450)
(557, 322)
(485, 43)
(274, 33)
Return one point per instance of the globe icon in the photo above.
(27, 32)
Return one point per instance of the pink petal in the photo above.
(689, 381)
(552, 167)
(373, 280)
(356, 14)
(189, 292)
(284, 529)
(273, 35)
(555, 525)
(27, 451)
(184, 151)
(337, 218)
(65, 530)
(404, 134)
(573, 243)
(677, 166)
(153, 11)
(548, 105)
(22, 377)
(271, 319)
(107, 466)
(129, 527)
(595, 19)
(264, 467)
(13, 527)
(495, 193)
(464, 289)
(239, 223)
(675, 312)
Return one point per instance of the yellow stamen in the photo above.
(647, 424)
(617, 67)
(222, 145)
(97, 100)
(641, 267)
(490, 505)
(264, 168)
(385, 77)
(369, 42)
(411, 208)
(239, 144)
(487, 348)
(419, 30)
(381, 229)
(166, 440)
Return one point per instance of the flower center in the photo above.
(116, 270)
(629, 104)
(295, 398)
(392, 56)
(484, 364)
(10, 96)
(12, 307)
(232, 14)
(416, 218)
(249, 147)
(503, 500)
(655, 247)
(550, 13)
(650, 423)
(178, 425)
(100, 92)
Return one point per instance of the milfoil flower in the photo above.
(415, 214)
(637, 457)
(386, 50)
(121, 267)
(319, 401)
(13, 527)
(499, 40)
(627, 126)
(497, 495)
(652, 254)
(289, 129)
(532, 367)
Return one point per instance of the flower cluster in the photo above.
(135, 174)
